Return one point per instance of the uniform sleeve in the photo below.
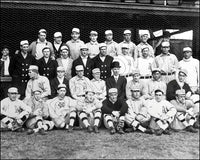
(46, 87)
(171, 109)
(130, 109)
(177, 106)
(98, 104)
(128, 91)
(28, 90)
(25, 107)
(72, 88)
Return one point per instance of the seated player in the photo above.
(185, 116)
(113, 111)
(37, 121)
(14, 112)
(62, 109)
(137, 117)
(162, 113)
(90, 111)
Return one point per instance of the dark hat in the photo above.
(115, 64)
(166, 34)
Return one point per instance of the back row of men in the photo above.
(77, 53)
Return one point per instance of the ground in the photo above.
(60, 144)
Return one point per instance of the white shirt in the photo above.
(145, 65)
(192, 66)
(39, 46)
(60, 80)
(57, 46)
(102, 58)
(65, 63)
(84, 59)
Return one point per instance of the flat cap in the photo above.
(144, 32)
(108, 32)
(127, 32)
(46, 47)
(33, 67)
(79, 68)
(76, 30)
(57, 34)
(183, 71)
(84, 46)
(180, 92)
(112, 90)
(165, 44)
(61, 86)
(60, 68)
(96, 70)
(24, 42)
(64, 47)
(42, 31)
(115, 64)
(187, 49)
(12, 90)
(102, 45)
(125, 46)
(135, 71)
(156, 70)
(93, 33)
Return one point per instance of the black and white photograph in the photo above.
(100, 79)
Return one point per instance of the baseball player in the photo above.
(185, 116)
(99, 85)
(162, 113)
(79, 84)
(114, 110)
(90, 111)
(14, 112)
(37, 121)
(62, 109)
(137, 114)
(36, 82)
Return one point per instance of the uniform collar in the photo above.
(75, 41)
(94, 43)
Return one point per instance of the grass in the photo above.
(59, 144)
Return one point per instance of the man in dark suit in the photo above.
(117, 81)
(57, 44)
(103, 62)
(18, 68)
(47, 66)
(60, 79)
(84, 60)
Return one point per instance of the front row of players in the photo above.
(151, 116)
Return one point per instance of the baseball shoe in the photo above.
(128, 130)
(19, 130)
(148, 131)
(120, 131)
(112, 130)
(196, 125)
(191, 129)
(42, 131)
(30, 131)
(159, 132)
(89, 128)
(96, 130)
(70, 129)
(167, 132)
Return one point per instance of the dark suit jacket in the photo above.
(105, 67)
(48, 69)
(172, 86)
(54, 86)
(120, 85)
(57, 52)
(87, 69)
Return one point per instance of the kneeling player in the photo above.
(90, 111)
(62, 109)
(137, 116)
(37, 121)
(113, 110)
(14, 112)
(185, 116)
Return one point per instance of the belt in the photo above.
(145, 77)
(164, 74)
(80, 95)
